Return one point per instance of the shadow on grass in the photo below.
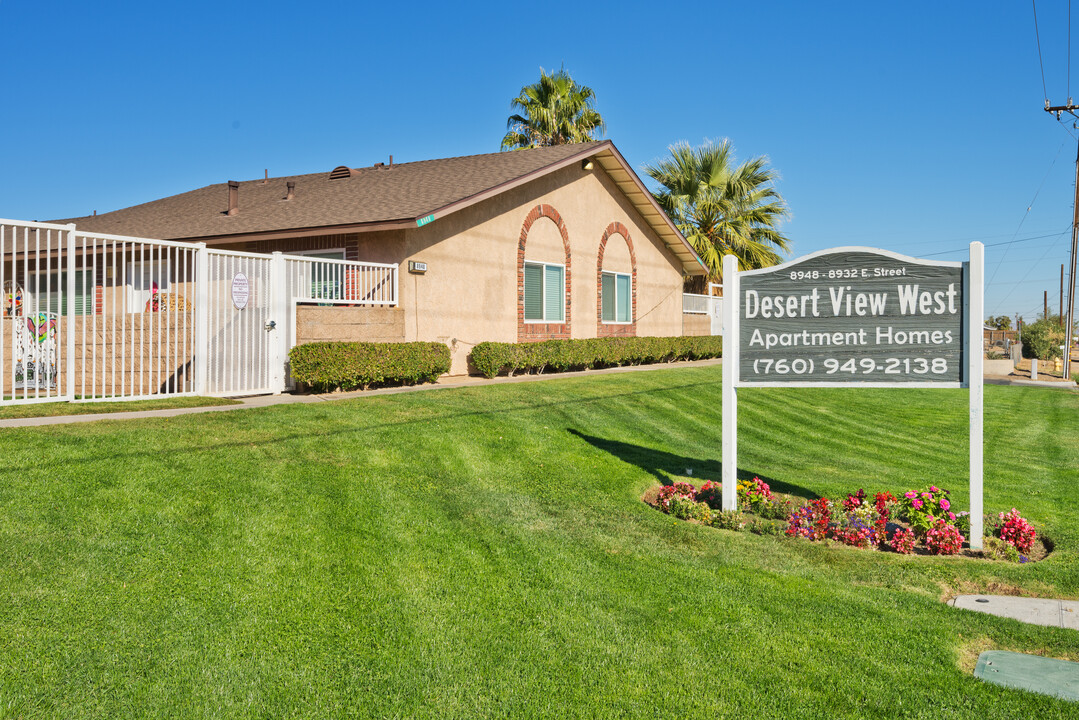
(664, 465)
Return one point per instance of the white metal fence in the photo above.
(88, 316)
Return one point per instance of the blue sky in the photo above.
(915, 127)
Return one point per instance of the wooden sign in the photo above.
(855, 317)
(851, 315)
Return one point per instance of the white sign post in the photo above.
(860, 317)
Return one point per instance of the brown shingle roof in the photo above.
(371, 195)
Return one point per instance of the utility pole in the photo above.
(1069, 323)
(1061, 305)
(1045, 304)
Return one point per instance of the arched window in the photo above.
(543, 276)
(616, 283)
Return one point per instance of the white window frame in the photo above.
(543, 293)
(616, 275)
(311, 281)
(324, 251)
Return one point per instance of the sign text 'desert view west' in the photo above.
(852, 316)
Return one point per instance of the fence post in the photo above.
(279, 313)
(69, 295)
(200, 365)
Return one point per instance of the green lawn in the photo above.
(483, 552)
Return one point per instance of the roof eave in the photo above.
(634, 189)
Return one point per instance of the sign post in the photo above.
(854, 317)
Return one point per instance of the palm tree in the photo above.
(722, 209)
(556, 111)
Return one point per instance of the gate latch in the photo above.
(271, 325)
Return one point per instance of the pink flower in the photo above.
(909, 494)
(934, 488)
(927, 496)
(917, 504)
(951, 516)
(944, 504)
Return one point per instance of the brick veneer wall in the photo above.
(529, 332)
(608, 329)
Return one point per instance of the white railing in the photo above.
(340, 282)
(695, 304)
(89, 316)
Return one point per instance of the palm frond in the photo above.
(722, 208)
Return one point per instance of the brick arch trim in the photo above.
(541, 331)
(606, 329)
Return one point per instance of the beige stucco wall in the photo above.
(696, 324)
(349, 324)
(469, 291)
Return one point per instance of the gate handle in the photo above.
(271, 325)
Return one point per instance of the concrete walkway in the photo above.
(286, 399)
(1019, 380)
(1036, 611)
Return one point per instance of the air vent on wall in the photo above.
(341, 171)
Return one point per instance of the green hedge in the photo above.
(351, 365)
(492, 358)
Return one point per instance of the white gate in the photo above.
(245, 332)
(715, 307)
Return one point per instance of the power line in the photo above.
(1039, 40)
(1027, 213)
(1007, 242)
(1023, 279)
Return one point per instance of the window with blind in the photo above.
(50, 291)
(545, 292)
(616, 298)
(327, 281)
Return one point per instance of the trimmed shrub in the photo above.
(352, 365)
(492, 358)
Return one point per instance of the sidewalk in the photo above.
(258, 401)
(1020, 380)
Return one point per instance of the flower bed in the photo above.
(918, 522)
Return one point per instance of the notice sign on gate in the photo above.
(851, 315)
(855, 317)
(241, 291)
